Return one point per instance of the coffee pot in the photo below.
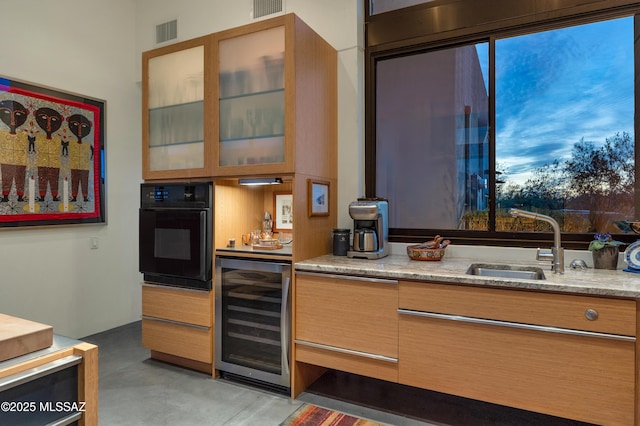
(365, 240)
(371, 228)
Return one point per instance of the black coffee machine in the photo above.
(370, 228)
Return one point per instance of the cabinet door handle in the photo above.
(348, 277)
(347, 351)
(543, 328)
(591, 314)
(285, 334)
(182, 324)
(38, 372)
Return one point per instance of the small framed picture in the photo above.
(283, 211)
(318, 198)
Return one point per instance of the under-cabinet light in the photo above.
(260, 181)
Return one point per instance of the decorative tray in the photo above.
(267, 246)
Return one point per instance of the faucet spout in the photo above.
(557, 250)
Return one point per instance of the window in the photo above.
(537, 116)
(564, 124)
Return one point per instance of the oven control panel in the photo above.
(176, 195)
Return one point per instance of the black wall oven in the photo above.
(176, 233)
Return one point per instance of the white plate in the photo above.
(632, 255)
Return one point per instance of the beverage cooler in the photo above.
(253, 320)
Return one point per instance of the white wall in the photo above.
(51, 275)
(94, 48)
(340, 22)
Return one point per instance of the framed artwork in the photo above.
(51, 156)
(318, 202)
(283, 211)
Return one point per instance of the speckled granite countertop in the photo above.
(453, 270)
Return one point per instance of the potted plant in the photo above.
(604, 250)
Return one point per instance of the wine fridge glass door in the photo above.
(252, 319)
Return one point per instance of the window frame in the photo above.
(448, 23)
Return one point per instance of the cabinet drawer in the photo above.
(583, 378)
(176, 339)
(354, 314)
(349, 362)
(176, 304)
(614, 316)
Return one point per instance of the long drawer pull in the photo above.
(168, 321)
(67, 420)
(347, 351)
(38, 372)
(544, 328)
(348, 277)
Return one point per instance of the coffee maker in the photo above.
(370, 228)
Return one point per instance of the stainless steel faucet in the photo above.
(556, 254)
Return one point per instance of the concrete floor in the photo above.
(136, 390)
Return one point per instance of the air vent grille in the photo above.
(167, 31)
(266, 7)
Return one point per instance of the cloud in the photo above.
(557, 87)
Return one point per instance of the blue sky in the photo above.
(555, 87)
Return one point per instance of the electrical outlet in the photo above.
(94, 242)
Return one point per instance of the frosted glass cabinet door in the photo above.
(251, 83)
(176, 110)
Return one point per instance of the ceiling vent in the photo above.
(266, 7)
(167, 31)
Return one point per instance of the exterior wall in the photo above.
(424, 127)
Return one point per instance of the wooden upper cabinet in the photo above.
(275, 81)
(260, 99)
(251, 101)
(175, 104)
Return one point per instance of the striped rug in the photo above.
(311, 415)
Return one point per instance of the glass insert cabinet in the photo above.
(174, 104)
(251, 88)
(240, 102)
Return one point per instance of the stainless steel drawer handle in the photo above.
(347, 351)
(34, 373)
(348, 277)
(591, 314)
(172, 322)
(522, 326)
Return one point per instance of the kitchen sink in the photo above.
(506, 271)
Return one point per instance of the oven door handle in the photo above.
(284, 325)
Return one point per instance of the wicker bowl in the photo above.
(420, 252)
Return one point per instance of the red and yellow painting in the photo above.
(51, 156)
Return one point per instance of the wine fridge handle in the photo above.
(284, 325)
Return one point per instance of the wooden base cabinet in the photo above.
(348, 324)
(587, 376)
(177, 325)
